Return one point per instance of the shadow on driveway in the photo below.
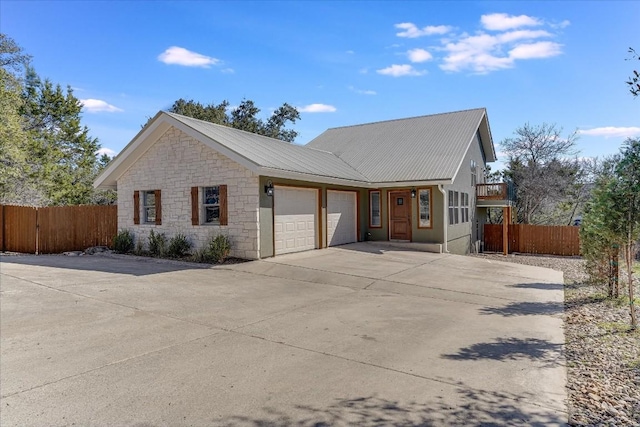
(475, 408)
(504, 349)
(117, 264)
(548, 308)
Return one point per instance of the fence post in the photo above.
(37, 230)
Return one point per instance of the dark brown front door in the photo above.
(400, 215)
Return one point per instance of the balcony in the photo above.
(495, 195)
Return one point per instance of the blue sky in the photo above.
(342, 63)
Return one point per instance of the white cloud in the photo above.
(362, 91)
(535, 50)
(482, 53)
(228, 70)
(613, 132)
(317, 108)
(419, 55)
(411, 31)
(108, 151)
(502, 21)
(563, 24)
(396, 70)
(350, 52)
(181, 56)
(98, 106)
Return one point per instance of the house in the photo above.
(409, 180)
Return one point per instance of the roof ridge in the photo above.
(247, 132)
(409, 118)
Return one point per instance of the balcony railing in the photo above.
(496, 191)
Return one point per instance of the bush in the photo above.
(179, 246)
(123, 242)
(219, 247)
(216, 250)
(139, 250)
(157, 243)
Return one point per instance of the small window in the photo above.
(451, 208)
(374, 209)
(211, 205)
(424, 208)
(464, 200)
(474, 173)
(400, 201)
(455, 207)
(149, 206)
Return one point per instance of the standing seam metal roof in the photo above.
(413, 149)
(272, 153)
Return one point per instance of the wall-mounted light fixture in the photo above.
(268, 189)
(413, 193)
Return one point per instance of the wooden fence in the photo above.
(534, 239)
(56, 229)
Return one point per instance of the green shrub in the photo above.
(123, 242)
(157, 243)
(139, 250)
(219, 247)
(179, 246)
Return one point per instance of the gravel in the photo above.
(603, 354)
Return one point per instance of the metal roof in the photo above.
(272, 153)
(395, 152)
(414, 149)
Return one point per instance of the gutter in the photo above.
(445, 225)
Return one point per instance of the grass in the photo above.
(614, 327)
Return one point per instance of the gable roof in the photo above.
(410, 149)
(427, 149)
(260, 154)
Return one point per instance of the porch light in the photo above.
(413, 193)
(268, 189)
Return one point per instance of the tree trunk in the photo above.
(629, 251)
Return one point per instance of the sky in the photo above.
(342, 63)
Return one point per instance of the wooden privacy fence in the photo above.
(534, 239)
(56, 229)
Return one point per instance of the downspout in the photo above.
(445, 222)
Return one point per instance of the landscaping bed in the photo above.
(603, 355)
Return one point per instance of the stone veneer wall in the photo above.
(174, 164)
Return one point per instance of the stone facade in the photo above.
(174, 164)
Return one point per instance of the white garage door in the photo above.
(341, 217)
(296, 211)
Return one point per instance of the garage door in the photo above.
(296, 212)
(341, 217)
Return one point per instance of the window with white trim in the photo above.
(374, 209)
(211, 205)
(453, 207)
(149, 206)
(424, 208)
(464, 201)
(474, 173)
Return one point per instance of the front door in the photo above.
(400, 215)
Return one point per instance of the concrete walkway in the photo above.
(360, 334)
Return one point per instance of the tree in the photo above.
(62, 155)
(47, 157)
(243, 117)
(628, 205)
(612, 220)
(634, 80)
(539, 167)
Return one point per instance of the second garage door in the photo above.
(342, 224)
(295, 221)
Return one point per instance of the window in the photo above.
(474, 173)
(424, 208)
(452, 208)
(149, 206)
(211, 205)
(455, 207)
(375, 220)
(464, 201)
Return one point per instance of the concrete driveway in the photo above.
(360, 334)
